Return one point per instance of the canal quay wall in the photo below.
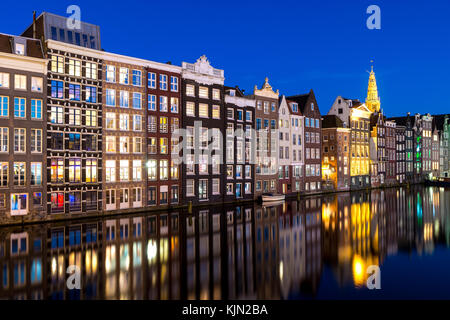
(187, 208)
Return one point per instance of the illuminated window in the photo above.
(75, 170)
(91, 170)
(110, 170)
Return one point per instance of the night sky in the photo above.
(299, 45)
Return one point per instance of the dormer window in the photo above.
(295, 107)
(20, 49)
(232, 93)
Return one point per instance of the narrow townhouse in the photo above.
(238, 139)
(313, 140)
(23, 129)
(297, 147)
(284, 144)
(266, 114)
(203, 118)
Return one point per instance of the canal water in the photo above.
(324, 247)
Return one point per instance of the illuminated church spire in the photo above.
(372, 100)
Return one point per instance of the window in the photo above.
(91, 94)
(163, 169)
(36, 140)
(152, 80)
(124, 170)
(91, 118)
(163, 125)
(137, 170)
(190, 164)
(4, 174)
(19, 173)
(124, 99)
(4, 106)
(19, 140)
(151, 168)
(174, 84)
(203, 92)
(152, 147)
(151, 102)
(137, 122)
(190, 139)
(110, 74)
(151, 196)
(190, 186)
(74, 92)
(174, 105)
(110, 170)
(57, 115)
(163, 107)
(216, 186)
(174, 170)
(36, 109)
(248, 172)
(110, 144)
(111, 198)
(230, 174)
(57, 170)
(163, 146)
(4, 80)
(4, 139)
(203, 110)
(216, 111)
(91, 70)
(75, 68)
(190, 109)
(91, 142)
(57, 89)
(74, 141)
(36, 173)
(174, 194)
(137, 78)
(216, 94)
(190, 90)
(137, 100)
(57, 64)
(57, 203)
(163, 82)
(110, 97)
(19, 206)
(75, 170)
(124, 144)
(36, 84)
(123, 122)
(75, 117)
(19, 107)
(229, 188)
(239, 115)
(137, 145)
(75, 203)
(203, 164)
(123, 75)
(203, 189)
(312, 105)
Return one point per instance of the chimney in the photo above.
(34, 24)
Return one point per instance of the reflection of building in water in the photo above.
(224, 252)
(22, 263)
(291, 249)
(313, 248)
(266, 245)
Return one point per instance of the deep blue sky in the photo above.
(299, 45)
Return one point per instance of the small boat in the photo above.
(269, 197)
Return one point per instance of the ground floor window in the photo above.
(110, 197)
(151, 196)
(163, 194)
(57, 202)
(238, 190)
(91, 200)
(174, 194)
(75, 201)
(19, 204)
(229, 188)
(137, 195)
(248, 188)
(203, 189)
(37, 199)
(124, 196)
(258, 185)
(190, 188)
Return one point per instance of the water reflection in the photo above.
(244, 252)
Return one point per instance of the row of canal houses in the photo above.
(85, 131)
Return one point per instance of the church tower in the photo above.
(372, 100)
